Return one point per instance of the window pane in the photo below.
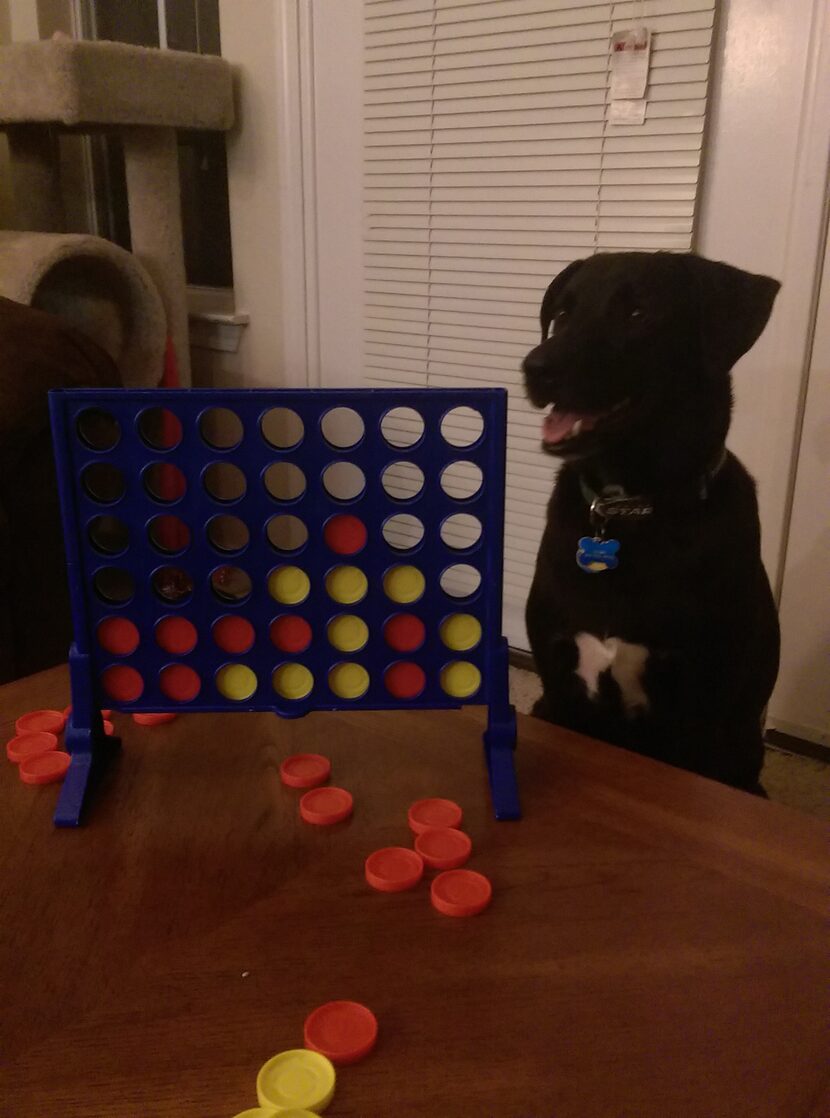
(136, 22)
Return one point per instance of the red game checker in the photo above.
(461, 892)
(49, 721)
(44, 768)
(30, 745)
(324, 806)
(290, 633)
(305, 770)
(345, 535)
(153, 718)
(345, 1032)
(394, 869)
(443, 848)
(404, 632)
(424, 814)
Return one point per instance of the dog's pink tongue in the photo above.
(557, 424)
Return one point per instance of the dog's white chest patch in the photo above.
(626, 663)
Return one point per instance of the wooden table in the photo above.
(657, 944)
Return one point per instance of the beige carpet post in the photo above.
(152, 165)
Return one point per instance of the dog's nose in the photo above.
(535, 364)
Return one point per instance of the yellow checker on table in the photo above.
(297, 1078)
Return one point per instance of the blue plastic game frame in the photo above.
(136, 507)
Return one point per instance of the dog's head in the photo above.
(630, 339)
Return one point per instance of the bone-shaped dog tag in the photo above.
(595, 555)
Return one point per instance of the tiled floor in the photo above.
(798, 782)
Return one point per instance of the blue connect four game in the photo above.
(285, 551)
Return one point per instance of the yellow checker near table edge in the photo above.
(289, 585)
(404, 584)
(347, 633)
(349, 680)
(236, 682)
(292, 681)
(460, 632)
(346, 585)
(269, 1112)
(460, 679)
(297, 1078)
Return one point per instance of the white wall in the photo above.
(763, 209)
(263, 180)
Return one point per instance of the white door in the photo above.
(801, 703)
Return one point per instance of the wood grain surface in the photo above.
(657, 944)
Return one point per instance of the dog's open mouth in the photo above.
(561, 429)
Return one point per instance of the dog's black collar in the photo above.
(613, 503)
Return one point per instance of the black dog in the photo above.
(650, 616)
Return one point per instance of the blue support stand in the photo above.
(89, 747)
(500, 741)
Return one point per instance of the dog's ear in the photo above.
(734, 309)
(552, 294)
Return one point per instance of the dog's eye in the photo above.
(637, 312)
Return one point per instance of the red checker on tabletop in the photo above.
(433, 812)
(394, 869)
(461, 893)
(30, 745)
(443, 848)
(345, 1032)
(305, 770)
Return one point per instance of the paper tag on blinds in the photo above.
(630, 52)
(627, 112)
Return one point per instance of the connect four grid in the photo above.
(287, 550)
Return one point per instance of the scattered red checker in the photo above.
(424, 814)
(394, 869)
(325, 806)
(49, 721)
(345, 1032)
(461, 893)
(30, 745)
(443, 848)
(152, 718)
(305, 770)
(44, 768)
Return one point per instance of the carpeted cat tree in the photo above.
(145, 95)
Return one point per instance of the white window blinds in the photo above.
(489, 166)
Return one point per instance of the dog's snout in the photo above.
(535, 364)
